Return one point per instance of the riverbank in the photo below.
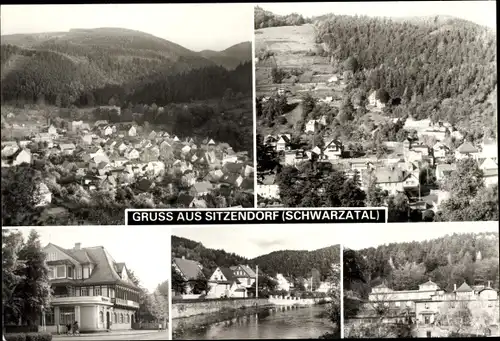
(193, 308)
(271, 322)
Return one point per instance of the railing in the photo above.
(191, 300)
(126, 303)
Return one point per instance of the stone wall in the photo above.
(193, 308)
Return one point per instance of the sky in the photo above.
(144, 250)
(251, 241)
(480, 12)
(194, 26)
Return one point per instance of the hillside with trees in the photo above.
(98, 66)
(263, 18)
(448, 260)
(291, 263)
(442, 69)
(231, 57)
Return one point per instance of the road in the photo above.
(163, 335)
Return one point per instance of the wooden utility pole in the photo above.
(256, 281)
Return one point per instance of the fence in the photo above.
(203, 299)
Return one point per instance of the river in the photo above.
(263, 323)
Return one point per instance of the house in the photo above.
(108, 131)
(186, 149)
(9, 150)
(268, 189)
(440, 150)
(232, 179)
(132, 131)
(283, 283)
(374, 101)
(19, 157)
(466, 150)
(132, 154)
(294, 157)
(283, 142)
(390, 179)
(52, 131)
(152, 135)
(333, 79)
(91, 288)
(248, 171)
(244, 274)
(176, 139)
(311, 126)
(223, 283)
(324, 287)
(87, 139)
(333, 149)
(200, 189)
(190, 271)
(490, 172)
(44, 196)
(489, 148)
(67, 148)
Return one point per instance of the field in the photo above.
(294, 48)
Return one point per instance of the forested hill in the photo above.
(73, 67)
(231, 57)
(448, 260)
(288, 262)
(263, 19)
(442, 68)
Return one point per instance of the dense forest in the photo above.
(86, 67)
(264, 19)
(444, 69)
(287, 262)
(448, 260)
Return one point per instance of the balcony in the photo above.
(125, 303)
(71, 300)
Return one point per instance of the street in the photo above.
(154, 335)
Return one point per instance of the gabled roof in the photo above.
(229, 275)
(464, 288)
(467, 148)
(190, 269)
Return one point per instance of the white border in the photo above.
(341, 290)
(256, 209)
(254, 111)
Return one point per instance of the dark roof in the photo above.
(228, 273)
(190, 269)
(104, 266)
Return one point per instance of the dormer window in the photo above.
(56, 272)
(86, 272)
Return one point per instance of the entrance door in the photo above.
(108, 319)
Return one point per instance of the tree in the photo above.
(333, 308)
(200, 285)
(35, 289)
(12, 276)
(20, 196)
(458, 317)
(159, 306)
(351, 64)
(308, 104)
(398, 208)
(178, 282)
(375, 196)
(315, 279)
(408, 276)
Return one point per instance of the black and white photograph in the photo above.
(436, 280)
(255, 282)
(113, 106)
(83, 283)
(372, 104)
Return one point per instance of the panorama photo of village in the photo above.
(432, 281)
(378, 104)
(126, 108)
(80, 283)
(255, 282)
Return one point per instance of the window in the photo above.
(97, 291)
(52, 256)
(85, 291)
(101, 317)
(66, 315)
(61, 271)
(70, 272)
(128, 318)
(429, 334)
(105, 292)
(115, 319)
(86, 272)
(427, 306)
(51, 272)
(121, 318)
(79, 273)
(49, 317)
(427, 320)
(397, 304)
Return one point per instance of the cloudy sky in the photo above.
(480, 12)
(194, 26)
(144, 250)
(254, 240)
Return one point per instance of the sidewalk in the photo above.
(112, 333)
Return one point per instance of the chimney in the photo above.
(77, 246)
(455, 287)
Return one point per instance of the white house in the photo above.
(223, 283)
(132, 154)
(283, 142)
(440, 150)
(444, 170)
(109, 131)
(333, 149)
(52, 131)
(490, 172)
(268, 191)
(44, 195)
(186, 149)
(466, 150)
(132, 131)
(283, 283)
(311, 126)
(374, 101)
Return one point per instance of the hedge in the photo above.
(28, 337)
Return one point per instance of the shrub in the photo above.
(38, 337)
(15, 337)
